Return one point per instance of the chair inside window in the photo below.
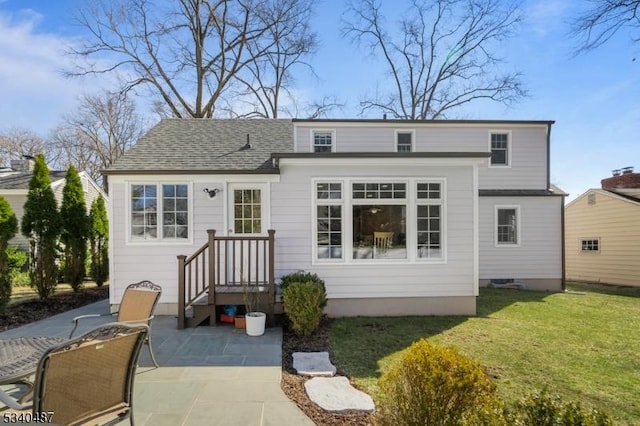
(89, 380)
(381, 242)
(136, 307)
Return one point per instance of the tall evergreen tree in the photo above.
(41, 225)
(75, 229)
(99, 240)
(8, 228)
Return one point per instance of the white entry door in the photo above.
(247, 218)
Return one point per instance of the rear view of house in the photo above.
(603, 232)
(398, 217)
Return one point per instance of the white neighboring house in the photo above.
(398, 217)
(14, 187)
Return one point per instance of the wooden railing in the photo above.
(226, 265)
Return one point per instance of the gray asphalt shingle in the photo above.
(208, 145)
(20, 180)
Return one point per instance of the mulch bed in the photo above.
(29, 311)
(293, 385)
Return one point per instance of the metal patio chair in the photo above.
(136, 307)
(89, 379)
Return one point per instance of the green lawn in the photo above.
(583, 344)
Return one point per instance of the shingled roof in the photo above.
(21, 179)
(207, 146)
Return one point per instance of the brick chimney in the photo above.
(623, 178)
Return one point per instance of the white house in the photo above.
(398, 217)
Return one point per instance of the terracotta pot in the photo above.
(240, 322)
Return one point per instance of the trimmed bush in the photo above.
(303, 277)
(433, 385)
(542, 409)
(303, 306)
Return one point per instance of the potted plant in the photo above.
(254, 319)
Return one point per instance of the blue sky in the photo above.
(594, 98)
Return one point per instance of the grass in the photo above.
(583, 344)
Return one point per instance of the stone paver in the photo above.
(337, 394)
(313, 364)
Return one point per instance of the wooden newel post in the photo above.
(181, 291)
(211, 282)
(272, 280)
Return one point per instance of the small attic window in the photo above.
(591, 199)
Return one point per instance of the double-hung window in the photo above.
(500, 149)
(404, 141)
(430, 206)
(507, 225)
(329, 220)
(159, 212)
(322, 141)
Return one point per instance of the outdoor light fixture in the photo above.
(212, 192)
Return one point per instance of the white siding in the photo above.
(528, 146)
(539, 255)
(157, 262)
(291, 218)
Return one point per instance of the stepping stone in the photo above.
(337, 394)
(313, 364)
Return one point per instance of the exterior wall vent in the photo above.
(591, 199)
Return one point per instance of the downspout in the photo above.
(549, 156)
(562, 231)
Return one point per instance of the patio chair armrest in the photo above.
(75, 320)
(140, 321)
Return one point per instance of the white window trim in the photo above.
(158, 241)
(509, 149)
(442, 202)
(518, 226)
(265, 220)
(589, 239)
(412, 132)
(411, 228)
(312, 138)
(314, 215)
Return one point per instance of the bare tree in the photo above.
(442, 57)
(187, 52)
(18, 142)
(269, 77)
(97, 134)
(604, 19)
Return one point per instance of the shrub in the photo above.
(41, 226)
(17, 272)
(432, 385)
(303, 306)
(99, 241)
(8, 228)
(75, 229)
(541, 409)
(303, 277)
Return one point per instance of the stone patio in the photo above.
(207, 375)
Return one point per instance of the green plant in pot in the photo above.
(255, 320)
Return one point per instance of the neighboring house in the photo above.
(14, 186)
(603, 232)
(398, 217)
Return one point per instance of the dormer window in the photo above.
(323, 141)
